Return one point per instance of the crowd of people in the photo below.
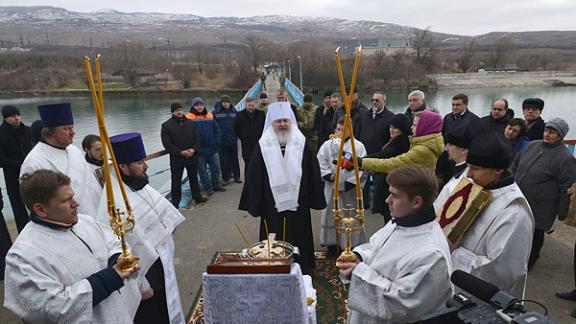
(66, 265)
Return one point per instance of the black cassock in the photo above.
(257, 199)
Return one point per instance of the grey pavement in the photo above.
(209, 228)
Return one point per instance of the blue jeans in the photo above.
(213, 163)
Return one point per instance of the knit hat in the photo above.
(429, 123)
(489, 150)
(401, 122)
(225, 98)
(533, 103)
(328, 93)
(175, 106)
(559, 125)
(263, 95)
(308, 98)
(9, 111)
(197, 101)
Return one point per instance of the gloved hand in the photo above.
(328, 178)
(347, 163)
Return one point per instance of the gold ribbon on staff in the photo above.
(127, 261)
(344, 221)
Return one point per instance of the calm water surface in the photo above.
(145, 114)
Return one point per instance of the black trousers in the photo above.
(155, 309)
(5, 244)
(176, 189)
(229, 163)
(18, 208)
(537, 243)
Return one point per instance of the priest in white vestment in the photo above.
(458, 140)
(156, 219)
(403, 272)
(497, 245)
(283, 183)
(64, 267)
(328, 153)
(56, 152)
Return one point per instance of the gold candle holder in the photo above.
(352, 221)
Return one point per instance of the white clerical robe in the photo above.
(46, 271)
(71, 162)
(405, 274)
(327, 153)
(447, 190)
(497, 245)
(156, 219)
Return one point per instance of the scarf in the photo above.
(284, 170)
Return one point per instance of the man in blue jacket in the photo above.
(225, 116)
(208, 150)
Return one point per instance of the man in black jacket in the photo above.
(374, 130)
(249, 126)
(532, 109)
(356, 111)
(498, 118)
(323, 117)
(15, 143)
(180, 138)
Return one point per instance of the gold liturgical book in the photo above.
(459, 211)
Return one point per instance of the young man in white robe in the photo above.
(497, 245)
(156, 219)
(64, 267)
(403, 272)
(458, 140)
(56, 152)
(328, 153)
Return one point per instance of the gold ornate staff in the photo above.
(347, 224)
(128, 262)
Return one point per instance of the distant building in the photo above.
(14, 49)
(136, 76)
(370, 46)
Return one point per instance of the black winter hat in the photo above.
(489, 150)
(308, 98)
(533, 103)
(9, 111)
(462, 134)
(175, 106)
(401, 122)
(263, 95)
(225, 98)
(328, 93)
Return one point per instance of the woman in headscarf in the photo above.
(426, 145)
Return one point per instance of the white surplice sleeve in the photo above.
(418, 287)
(502, 257)
(325, 159)
(32, 290)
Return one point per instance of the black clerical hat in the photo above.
(489, 150)
(462, 133)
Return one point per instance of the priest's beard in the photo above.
(282, 136)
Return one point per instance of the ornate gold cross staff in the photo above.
(347, 223)
(127, 261)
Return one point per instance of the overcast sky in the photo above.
(449, 16)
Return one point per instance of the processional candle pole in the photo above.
(119, 226)
(344, 222)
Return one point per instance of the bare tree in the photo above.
(425, 47)
(466, 60)
(255, 48)
(499, 53)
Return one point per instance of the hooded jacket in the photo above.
(208, 131)
(424, 150)
(225, 119)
